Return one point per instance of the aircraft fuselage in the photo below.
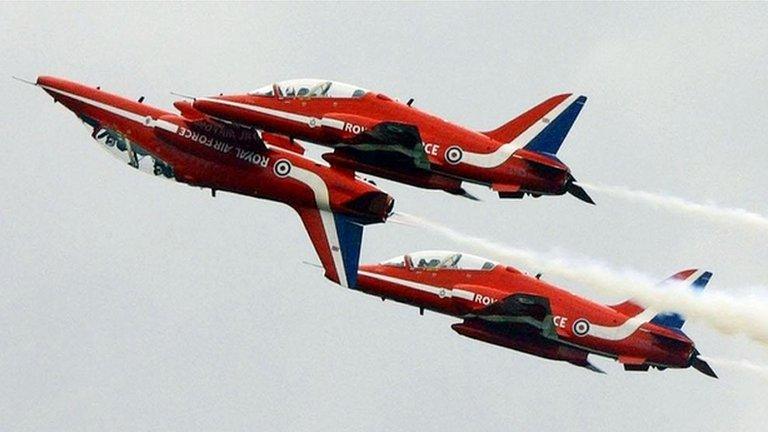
(572, 327)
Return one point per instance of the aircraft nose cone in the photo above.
(49, 82)
(66, 92)
(43, 80)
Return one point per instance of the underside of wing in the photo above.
(522, 322)
(388, 143)
(516, 312)
(203, 124)
(336, 239)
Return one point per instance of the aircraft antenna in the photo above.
(24, 81)
(184, 96)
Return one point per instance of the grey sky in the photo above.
(129, 303)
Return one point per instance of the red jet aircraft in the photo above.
(332, 203)
(375, 134)
(502, 306)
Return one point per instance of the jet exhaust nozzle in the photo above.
(372, 207)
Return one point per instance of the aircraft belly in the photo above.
(525, 341)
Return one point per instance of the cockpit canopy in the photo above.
(441, 260)
(311, 88)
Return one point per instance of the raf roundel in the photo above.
(454, 155)
(580, 327)
(282, 168)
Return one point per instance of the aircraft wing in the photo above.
(337, 240)
(518, 312)
(387, 143)
(522, 322)
(203, 124)
(244, 137)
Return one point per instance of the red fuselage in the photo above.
(454, 153)
(580, 325)
(206, 156)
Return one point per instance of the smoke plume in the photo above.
(742, 365)
(710, 212)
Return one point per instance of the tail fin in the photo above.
(698, 280)
(337, 240)
(544, 127)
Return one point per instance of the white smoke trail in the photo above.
(746, 315)
(743, 365)
(711, 212)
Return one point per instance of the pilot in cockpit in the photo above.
(433, 263)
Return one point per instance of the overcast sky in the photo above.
(130, 303)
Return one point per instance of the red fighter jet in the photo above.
(332, 203)
(375, 134)
(502, 306)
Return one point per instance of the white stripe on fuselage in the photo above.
(622, 331)
(166, 126)
(436, 290)
(500, 155)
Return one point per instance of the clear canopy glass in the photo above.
(312, 88)
(443, 260)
